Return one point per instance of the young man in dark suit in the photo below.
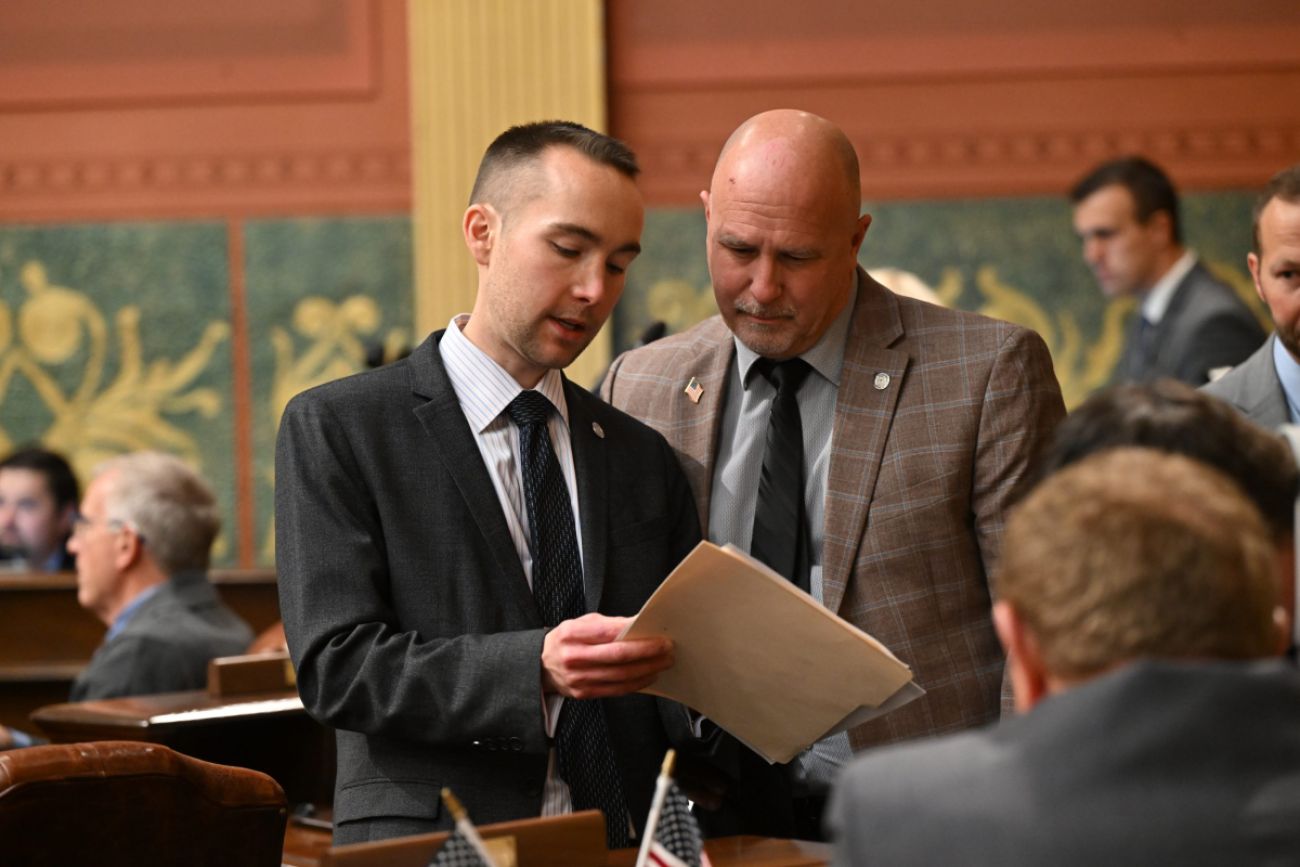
(462, 535)
(1188, 322)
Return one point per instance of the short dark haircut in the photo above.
(58, 475)
(1284, 185)
(526, 142)
(1171, 416)
(1150, 187)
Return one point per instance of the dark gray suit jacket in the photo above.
(166, 645)
(407, 610)
(1206, 326)
(1156, 763)
(1253, 388)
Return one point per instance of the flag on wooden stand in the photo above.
(464, 848)
(672, 836)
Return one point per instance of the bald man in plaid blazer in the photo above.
(935, 416)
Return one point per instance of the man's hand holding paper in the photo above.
(761, 658)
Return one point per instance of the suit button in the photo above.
(516, 745)
(478, 745)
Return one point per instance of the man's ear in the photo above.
(128, 548)
(1162, 223)
(704, 197)
(1252, 263)
(860, 233)
(1024, 658)
(481, 226)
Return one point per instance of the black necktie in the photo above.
(586, 759)
(780, 536)
(1145, 356)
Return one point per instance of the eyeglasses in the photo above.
(82, 524)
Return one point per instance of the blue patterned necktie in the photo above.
(586, 760)
(780, 537)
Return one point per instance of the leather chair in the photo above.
(113, 803)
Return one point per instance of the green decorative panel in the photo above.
(115, 338)
(320, 292)
(1015, 259)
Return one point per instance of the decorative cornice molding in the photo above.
(207, 183)
(1010, 162)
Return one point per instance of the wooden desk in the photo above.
(47, 638)
(310, 847)
(269, 733)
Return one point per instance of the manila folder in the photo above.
(761, 658)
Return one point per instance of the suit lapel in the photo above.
(711, 370)
(452, 441)
(1263, 397)
(1164, 334)
(864, 413)
(590, 465)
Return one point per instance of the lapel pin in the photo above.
(694, 390)
(881, 382)
(597, 429)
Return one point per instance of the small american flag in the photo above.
(464, 848)
(672, 836)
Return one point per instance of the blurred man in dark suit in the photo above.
(1189, 322)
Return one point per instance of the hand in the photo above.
(6, 739)
(581, 659)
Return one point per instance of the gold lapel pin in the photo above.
(694, 390)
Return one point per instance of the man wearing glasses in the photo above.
(142, 541)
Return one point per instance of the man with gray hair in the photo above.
(142, 541)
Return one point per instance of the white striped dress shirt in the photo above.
(484, 390)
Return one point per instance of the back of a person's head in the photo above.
(58, 474)
(170, 506)
(1173, 417)
(1134, 553)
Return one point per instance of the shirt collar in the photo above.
(826, 356)
(124, 616)
(1161, 294)
(483, 387)
(1288, 373)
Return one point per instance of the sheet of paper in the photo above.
(761, 658)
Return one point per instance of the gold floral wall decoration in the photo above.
(61, 336)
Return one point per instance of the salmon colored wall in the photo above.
(188, 108)
(948, 99)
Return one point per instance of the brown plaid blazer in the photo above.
(923, 466)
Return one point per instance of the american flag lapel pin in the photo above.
(694, 390)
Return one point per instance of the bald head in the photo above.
(795, 147)
(784, 230)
